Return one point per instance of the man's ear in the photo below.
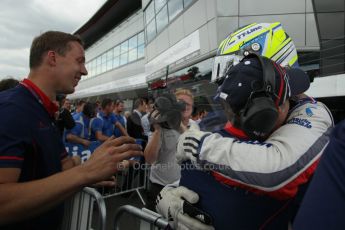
(51, 58)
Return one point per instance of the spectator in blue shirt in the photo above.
(79, 108)
(81, 132)
(119, 122)
(102, 126)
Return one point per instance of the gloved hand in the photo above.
(189, 145)
(170, 204)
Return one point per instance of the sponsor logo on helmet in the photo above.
(249, 31)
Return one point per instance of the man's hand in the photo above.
(86, 143)
(170, 203)
(154, 117)
(104, 161)
(189, 145)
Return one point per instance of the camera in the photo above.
(170, 111)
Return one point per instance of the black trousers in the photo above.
(152, 193)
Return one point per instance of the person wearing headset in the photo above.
(262, 178)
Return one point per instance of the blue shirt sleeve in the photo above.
(96, 124)
(113, 118)
(76, 129)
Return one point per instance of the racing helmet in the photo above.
(265, 39)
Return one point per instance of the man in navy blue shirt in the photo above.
(32, 155)
(323, 206)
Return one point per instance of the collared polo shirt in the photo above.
(108, 123)
(30, 141)
(119, 118)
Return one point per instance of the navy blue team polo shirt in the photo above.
(30, 141)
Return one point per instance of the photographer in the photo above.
(166, 119)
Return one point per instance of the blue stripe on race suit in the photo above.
(270, 181)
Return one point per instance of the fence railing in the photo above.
(79, 211)
(153, 218)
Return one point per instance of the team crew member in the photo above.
(81, 132)
(120, 124)
(32, 183)
(102, 127)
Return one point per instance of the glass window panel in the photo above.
(109, 55)
(187, 2)
(116, 51)
(104, 58)
(99, 60)
(141, 38)
(132, 42)
(159, 4)
(98, 69)
(124, 47)
(124, 59)
(109, 64)
(151, 30)
(116, 61)
(149, 12)
(132, 55)
(162, 19)
(103, 67)
(141, 50)
(175, 7)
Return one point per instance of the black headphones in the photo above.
(259, 115)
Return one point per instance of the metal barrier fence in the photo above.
(79, 210)
(129, 180)
(154, 219)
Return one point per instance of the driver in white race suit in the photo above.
(258, 172)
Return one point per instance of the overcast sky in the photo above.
(22, 20)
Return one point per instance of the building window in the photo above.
(126, 52)
(162, 19)
(151, 30)
(159, 13)
(186, 3)
(175, 7)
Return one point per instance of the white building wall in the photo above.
(128, 28)
(214, 20)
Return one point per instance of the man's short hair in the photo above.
(118, 101)
(8, 83)
(106, 102)
(81, 102)
(51, 40)
(90, 109)
(138, 102)
(184, 92)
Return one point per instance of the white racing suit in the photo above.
(272, 171)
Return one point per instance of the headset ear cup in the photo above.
(259, 117)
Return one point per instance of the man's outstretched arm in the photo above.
(19, 201)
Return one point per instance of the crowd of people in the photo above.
(253, 173)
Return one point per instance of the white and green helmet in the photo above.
(265, 39)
